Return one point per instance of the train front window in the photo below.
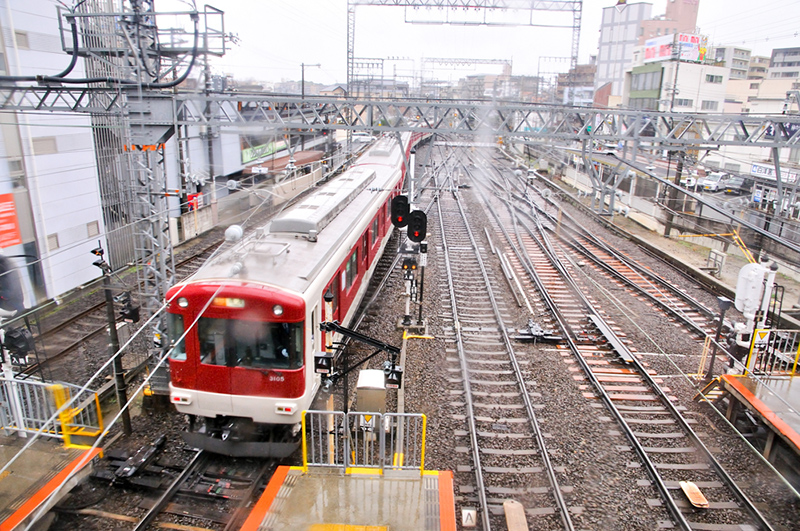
(253, 344)
(175, 324)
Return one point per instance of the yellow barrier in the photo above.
(66, 416)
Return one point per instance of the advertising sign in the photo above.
(9, 225)
(768, 172)
(692, 47)
(252, 153)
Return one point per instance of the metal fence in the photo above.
(388, 442)
(27, 406)
(774, 352)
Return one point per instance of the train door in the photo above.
(213, 372)
(332, 308)
(366, 254)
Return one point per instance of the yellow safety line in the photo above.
(424, 433)
(406, 336)
(305, 449)
(365, 471)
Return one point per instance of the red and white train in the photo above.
(244, 372)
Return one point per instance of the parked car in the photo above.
(713, 182)
(363, 137)
(688, 181)
(738, 185)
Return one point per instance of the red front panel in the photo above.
(237, 344)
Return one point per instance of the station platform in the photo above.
(365, 500)
(769, 404)
(29, 483)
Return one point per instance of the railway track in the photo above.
(667, 447)
(85, 328)
(504, 450)
(208, 492)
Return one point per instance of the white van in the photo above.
(713, 181)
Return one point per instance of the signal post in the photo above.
(414, 252)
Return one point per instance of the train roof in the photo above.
(291, 250)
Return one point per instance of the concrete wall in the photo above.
(58, 182)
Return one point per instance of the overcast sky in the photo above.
(276, 36)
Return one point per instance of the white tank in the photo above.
(749, 288)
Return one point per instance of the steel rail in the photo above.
(561, 504)
(661, 486)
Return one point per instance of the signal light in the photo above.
(393, 377)
(409, 264)
(400, 211)
(417, 226)
(323, 363)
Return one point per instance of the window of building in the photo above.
(713, 79)
(650, 104)
(15, 166)
(753, 85)
(45, 145)
(22, 40)
(92, 229)
(683, 102)
(709, 105)
(52, 242)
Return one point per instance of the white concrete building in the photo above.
(49, 190)
(658, 81)
(619, 34)
(737, 59)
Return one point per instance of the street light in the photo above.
(303, 96)
(303, 78)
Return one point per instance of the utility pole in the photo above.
(113, 344)
(672, 193)
(303, 96)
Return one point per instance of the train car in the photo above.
(249, 318)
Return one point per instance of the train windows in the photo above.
(211, 333)
(365, 246)
(175, 324)
(250, 344)
(374, 231)
(351, 269)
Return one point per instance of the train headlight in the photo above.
(182, 302)
(277, 310)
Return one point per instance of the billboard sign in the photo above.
(768, 172)
(692, 47)
(9, 225)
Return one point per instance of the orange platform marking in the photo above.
(261, 507)
(447, 504)
(784, 429)
(49, 488)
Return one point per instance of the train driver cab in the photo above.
(250, 344)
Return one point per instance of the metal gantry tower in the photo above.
(128, 56)
(530, 6)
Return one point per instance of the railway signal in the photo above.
(417, 226)
(400, 211)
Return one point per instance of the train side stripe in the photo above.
(261, 508)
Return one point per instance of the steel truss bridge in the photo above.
(153, 117)
(523, 121)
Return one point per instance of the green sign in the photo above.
(256, 152)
